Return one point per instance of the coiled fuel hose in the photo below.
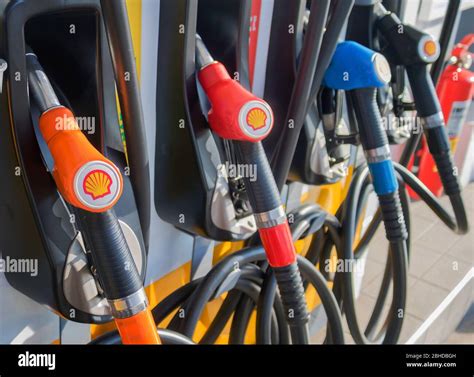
(254, 281)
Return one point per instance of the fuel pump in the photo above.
(194, 188)
(308, 143)
(73, 190)
(92, 184)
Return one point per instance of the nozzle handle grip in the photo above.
(424, 92)
(84, 177)
(438, 144)
(393, 219)
(371, 131)
(427, 105)
(261, 187)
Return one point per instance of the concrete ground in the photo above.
(464, 333)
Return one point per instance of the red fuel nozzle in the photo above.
(236, 113)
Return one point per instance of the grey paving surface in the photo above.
(464, 333)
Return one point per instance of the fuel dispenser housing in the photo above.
(70, 41)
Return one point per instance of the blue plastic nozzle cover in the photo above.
(354, 66)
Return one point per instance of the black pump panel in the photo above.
(282, 64)
(69, 39)
(188, 154)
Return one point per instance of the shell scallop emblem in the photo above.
(97, 184)
(256, 118)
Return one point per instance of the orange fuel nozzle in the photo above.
(84, 177)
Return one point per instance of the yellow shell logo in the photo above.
(97, 184)
(256, 118)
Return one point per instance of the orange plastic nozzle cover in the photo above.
(73, 154)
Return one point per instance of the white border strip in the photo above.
(441, 307)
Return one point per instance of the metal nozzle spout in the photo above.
(379, 10)
(203, 56)
(39, 84)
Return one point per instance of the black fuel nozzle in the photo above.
(415, 50)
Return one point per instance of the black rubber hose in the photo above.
(250, 272)
(393, 219)
(278, 328)
(241, 320)
(410, 148)
(247, 304)
(250, 288)
(446, 37)
(302, 221)
(439, 147)
(167, 337)
(110, 253)
(211, 282)
(374, 319)
(174, 301)
(362, 247)
(396, 273)
(293, 298)
(325, 257)
(310, 273)
(370, 231)
(244, 311)
(328, 301)
(427, 104)
(316, 246)
(222, 317)
(386, 280)
(206, 289)
(300, 96)
(459, 224)
(123, 60)
(399, 261)
(373, 136)
(266, 301)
